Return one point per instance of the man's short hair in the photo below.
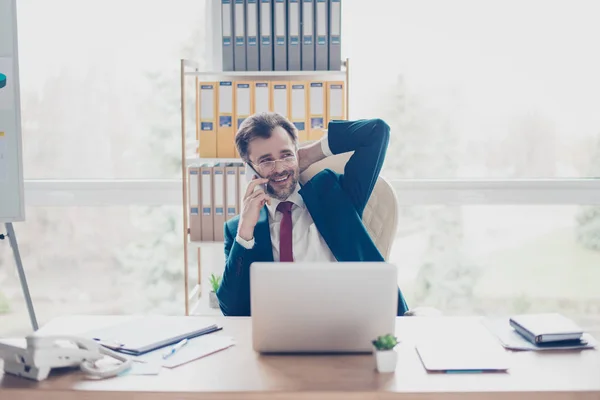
(261, 125)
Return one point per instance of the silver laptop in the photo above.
(321, 307)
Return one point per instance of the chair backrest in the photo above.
(381, 213)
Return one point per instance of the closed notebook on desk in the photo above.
(542, 328)
(144, 334)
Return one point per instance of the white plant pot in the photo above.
(386, 360)
(212, 300)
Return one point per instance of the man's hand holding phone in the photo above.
(254, 199)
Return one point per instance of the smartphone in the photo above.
(250, 173)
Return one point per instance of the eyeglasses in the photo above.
(268, 166)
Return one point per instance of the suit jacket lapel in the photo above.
(263, 247)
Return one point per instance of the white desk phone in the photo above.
(34, 356)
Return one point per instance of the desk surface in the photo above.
(241, 373)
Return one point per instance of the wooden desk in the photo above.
(241, 373)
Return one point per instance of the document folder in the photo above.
(227, 34)
(321, 49)
(266, 36)
(298, 108)
(225, 129)
(241, 184)
(219, 200)
(262, 97)
(252, 58)
(208, 119)
(317, 100)
(336, 109)
(280, 98)
(280, 33)
(243, 102)
(294, 47)
(239, 20)
(141, 335)
(206, 201)
(231, 191)
(335, 35)
(308, 35)
(194, 204)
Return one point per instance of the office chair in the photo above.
(380, 215)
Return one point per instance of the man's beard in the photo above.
(282, 193)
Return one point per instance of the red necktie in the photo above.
(285, 232)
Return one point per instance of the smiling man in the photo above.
(318, 221)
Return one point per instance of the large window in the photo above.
(479, 89)
(100, 85)
(504, 93)
(501, 259)
(94, 260)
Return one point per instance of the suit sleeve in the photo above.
(233, 294)
(369, 140)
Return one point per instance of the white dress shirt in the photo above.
(308, 245)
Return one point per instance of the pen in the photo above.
(175, 348)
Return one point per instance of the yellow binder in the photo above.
(298, 106)
(225, 128)
(208, 119)
(317, 109)
(243, 106)
(262, 96)
(280, 98)
(336, 105)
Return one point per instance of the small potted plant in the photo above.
(385, 353)
(215, 282)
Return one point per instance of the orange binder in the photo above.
(262, 96)
(317, 101)
(280, 98)
(208, 119)
(336, 109)
(225, 128)
(298, 108)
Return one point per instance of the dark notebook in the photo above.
(144, 334)
(546, 328)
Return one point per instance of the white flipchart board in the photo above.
(12, 204)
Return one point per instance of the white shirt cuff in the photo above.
(325, 146)
(247, 244)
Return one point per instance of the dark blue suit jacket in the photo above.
(335, 202)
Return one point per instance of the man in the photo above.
(319, 221)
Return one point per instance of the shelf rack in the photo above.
(189, 70)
